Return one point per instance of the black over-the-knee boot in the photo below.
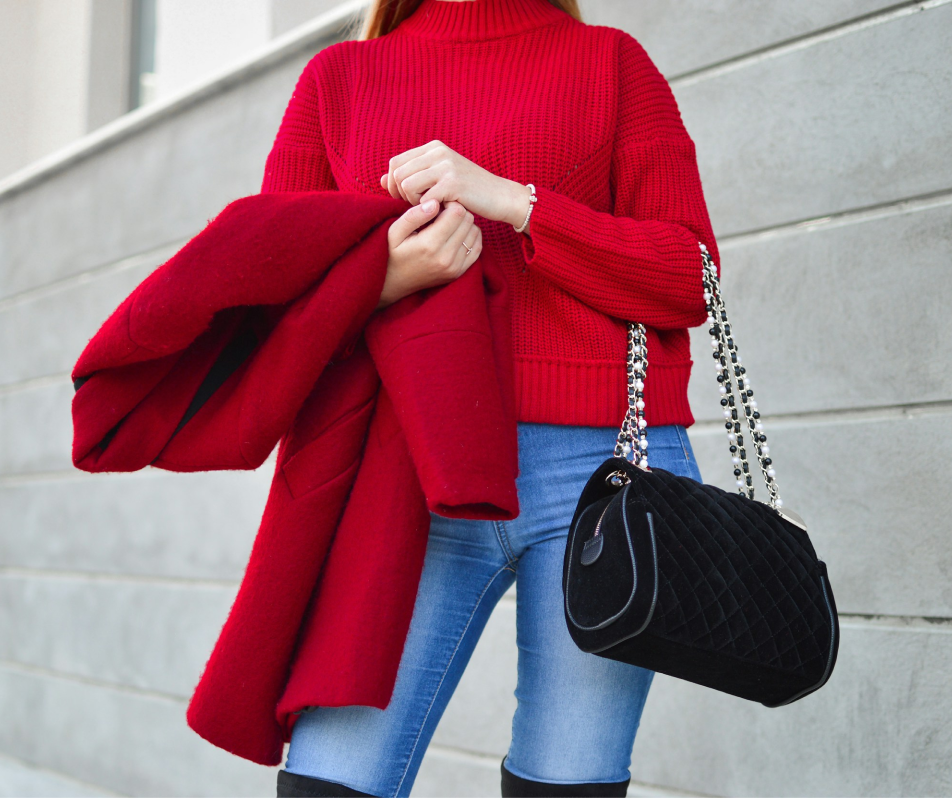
(514, 786)
(294, 785)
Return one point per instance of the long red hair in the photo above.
(382, 16)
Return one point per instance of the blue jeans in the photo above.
(577, 713)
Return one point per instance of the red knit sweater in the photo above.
(529, 93)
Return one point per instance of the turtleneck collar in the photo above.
(479, 19)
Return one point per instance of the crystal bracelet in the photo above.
(532, 199)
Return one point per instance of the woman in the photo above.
(458, 106)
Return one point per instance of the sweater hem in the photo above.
(593, 393)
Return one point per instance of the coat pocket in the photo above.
(333, 451)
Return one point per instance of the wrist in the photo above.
(519, 205)
(387, 296)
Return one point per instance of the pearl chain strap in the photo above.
(726, 360)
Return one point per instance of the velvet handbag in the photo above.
(690, 580)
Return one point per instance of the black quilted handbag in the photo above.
(690, 580)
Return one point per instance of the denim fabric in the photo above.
(577, 713)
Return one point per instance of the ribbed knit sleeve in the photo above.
(298, 159)
(640, 262)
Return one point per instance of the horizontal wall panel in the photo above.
(129, 743)
(878, 727)
(52, 329)
(160, 185)
(701, 32)
(153, 637)
(36, 428)
(19, 780)
(172, 524)
(850, 122)
(875, 496)
(146, 523)
(839, 317)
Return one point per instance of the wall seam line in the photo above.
(95, 273)
(838, 416)
(806, 40)
(845, 218)
(155, 580)
(28, 765)
(50, 673)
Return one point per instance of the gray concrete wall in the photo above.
(823, 146)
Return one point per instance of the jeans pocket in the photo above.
(685, 443)
(690, 460)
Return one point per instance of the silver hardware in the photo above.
(617, 479)
(727, 360)
(598, 525)
(792, 517)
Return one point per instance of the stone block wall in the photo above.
(822, 136)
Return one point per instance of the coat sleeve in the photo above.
(641, 262)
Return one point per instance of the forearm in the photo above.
(648, 271)
(641, 261)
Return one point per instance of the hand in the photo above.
(432, 256)
(434, 171)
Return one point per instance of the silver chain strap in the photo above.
(632, 438)
(627, 441)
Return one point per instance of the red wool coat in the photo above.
(250, 337)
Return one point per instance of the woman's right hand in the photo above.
(432, 256)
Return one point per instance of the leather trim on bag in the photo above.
(654, 597)
(634, 572)
(834, 635)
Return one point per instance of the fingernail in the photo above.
(429, 205)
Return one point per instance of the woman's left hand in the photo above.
(434, 171)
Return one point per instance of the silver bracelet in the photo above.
(532, 199)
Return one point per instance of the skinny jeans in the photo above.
(576, 714)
